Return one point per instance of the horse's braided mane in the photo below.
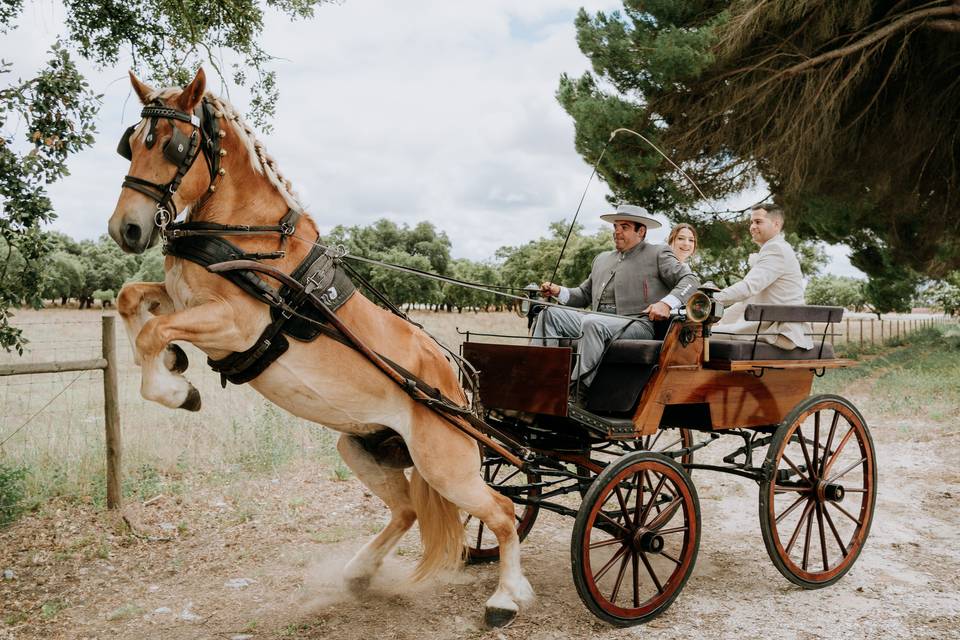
(259, 158)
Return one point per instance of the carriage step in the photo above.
(604, 424)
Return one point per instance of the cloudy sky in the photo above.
(416, 110)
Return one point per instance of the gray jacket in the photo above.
(647, 274)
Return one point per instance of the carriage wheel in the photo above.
(662, 441)
(482, 545)
(817, 501)
(635, 538)
(669, 440)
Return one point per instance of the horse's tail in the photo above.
(441, 529)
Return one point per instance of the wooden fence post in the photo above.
(872, 336)
(111, 412)
(861, 333)
(846, 337)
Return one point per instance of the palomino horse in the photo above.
(323, 380)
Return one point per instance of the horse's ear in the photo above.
(142, 89)
(193, 92)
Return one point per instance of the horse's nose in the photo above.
(131, 234)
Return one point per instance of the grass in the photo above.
(919, 376)
(60, 450)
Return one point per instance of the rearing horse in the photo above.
(323, 380)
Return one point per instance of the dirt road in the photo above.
(262, 559)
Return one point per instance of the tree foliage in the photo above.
(50, 116)
(945, 295)
(848, 109)
(421, 247)
(836, 291)
(53, 113)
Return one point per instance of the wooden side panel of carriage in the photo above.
(736, 398)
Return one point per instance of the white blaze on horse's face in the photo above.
(132, 225)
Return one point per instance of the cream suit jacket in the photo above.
(774, 278)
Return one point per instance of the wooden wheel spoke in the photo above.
(624, 533)
(653, 499)
(638, 507)
(779, 488)
(796, 469)
(663, 532)
(823, 537)
(605, 543)
(635, 561)
(790, 509)
(620, 574)
(816, 445)
(806, 538)
(827, 464)
(847, 470)
(833, 430)
(479, 534)
(653, 574)
(665, 516)
(624, 511)
(626, 498)
(796, 532)
(670, 557)
(803, 448)
(612, 561)
(845, 512)
(860, 490)
(651, 443)
(836, 534)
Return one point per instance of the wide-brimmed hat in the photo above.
(632, 213)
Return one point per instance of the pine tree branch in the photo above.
(876, 36)
(944, 25)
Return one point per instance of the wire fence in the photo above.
(861, 330)
(53, 423)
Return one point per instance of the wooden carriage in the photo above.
(626, 453)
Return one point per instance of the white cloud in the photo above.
(421, 110)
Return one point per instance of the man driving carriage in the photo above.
(637, 279)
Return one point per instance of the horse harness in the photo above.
(203, 242)
(303, 306)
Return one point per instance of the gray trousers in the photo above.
(553, 323)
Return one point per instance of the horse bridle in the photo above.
(181, 150)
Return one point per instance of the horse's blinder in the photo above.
(181, 149)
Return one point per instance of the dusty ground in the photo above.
(262, 558)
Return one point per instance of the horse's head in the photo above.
(163, 148)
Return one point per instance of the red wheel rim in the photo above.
(624, 576)
(820, 501)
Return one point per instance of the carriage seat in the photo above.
(633, 352)
(626, 367)
(721, 349)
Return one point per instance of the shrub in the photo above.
(12, 492)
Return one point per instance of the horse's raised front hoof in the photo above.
(497, 617)
(192, 403)
(180, 362)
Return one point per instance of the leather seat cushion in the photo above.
(743, 350)
(633, 352)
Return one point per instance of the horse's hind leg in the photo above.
(391, 486)
(450, 463)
